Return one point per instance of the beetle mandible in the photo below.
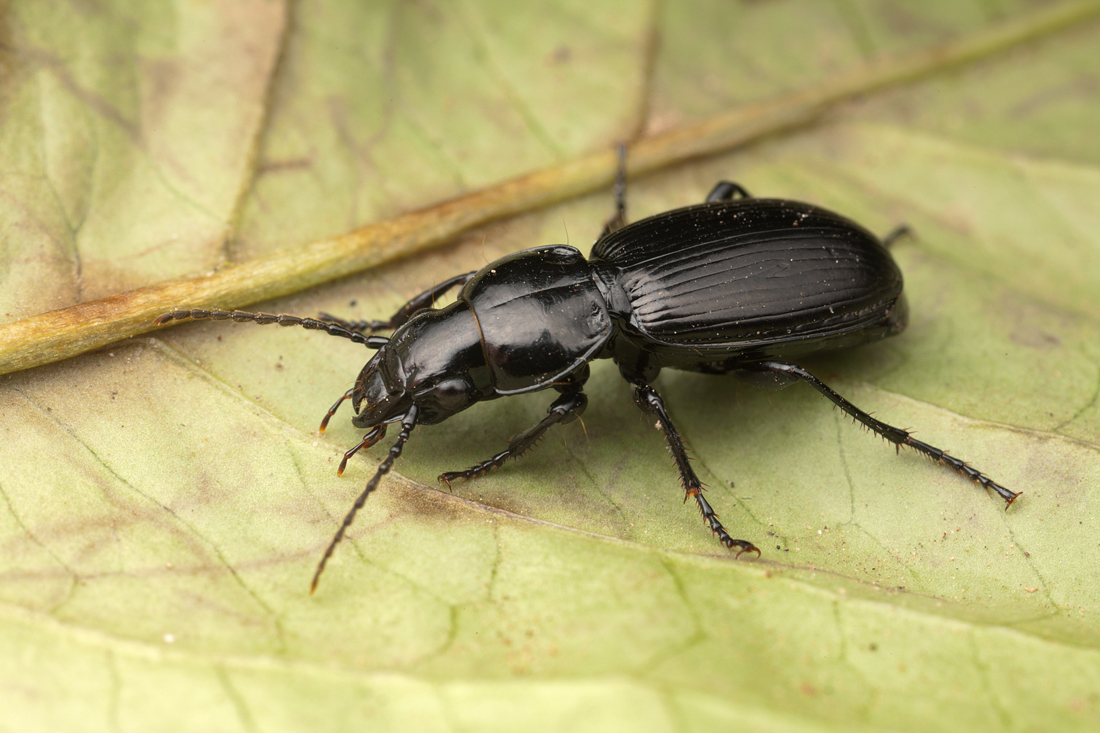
(733, 285)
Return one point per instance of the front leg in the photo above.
(565, 409)
(404, 313)
(650, 402)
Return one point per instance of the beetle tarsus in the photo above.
(745, 547)
(897, 436)
(965, 469)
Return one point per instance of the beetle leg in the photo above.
(650, 402)
(899, 232)
(726, 191)
(897, 436)
(564, 409)
(618, 221)
(421, 302)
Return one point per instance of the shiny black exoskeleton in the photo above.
(733, 285)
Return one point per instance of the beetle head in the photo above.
(435, 361)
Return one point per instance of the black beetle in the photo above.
(732, 285)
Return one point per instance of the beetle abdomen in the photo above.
(732, 273)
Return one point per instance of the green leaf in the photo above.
(163, 502)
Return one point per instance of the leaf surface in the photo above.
(163, 502)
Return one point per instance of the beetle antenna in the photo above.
(408, 422)
(312, 324)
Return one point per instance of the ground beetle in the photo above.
(733, 285)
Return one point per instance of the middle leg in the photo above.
(404, 313)
(650, 402)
